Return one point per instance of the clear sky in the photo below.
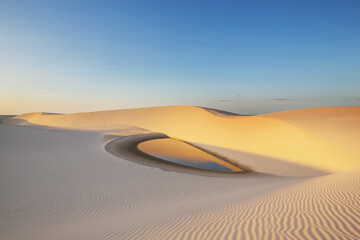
(243, 56)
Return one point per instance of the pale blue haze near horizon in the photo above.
(247, 57)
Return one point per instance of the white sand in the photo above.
(62, 184)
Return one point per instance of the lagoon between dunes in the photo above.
(181, 172)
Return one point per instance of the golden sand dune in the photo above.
(337, 127)
(62, 184)
(321, 138)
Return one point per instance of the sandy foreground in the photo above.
(69, 177)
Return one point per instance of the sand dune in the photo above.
(323, 139)
(62, 184)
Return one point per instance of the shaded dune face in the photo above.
(322, 138)
(184, 154)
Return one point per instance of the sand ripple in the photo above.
(323, 208)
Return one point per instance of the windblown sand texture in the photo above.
(57, 181)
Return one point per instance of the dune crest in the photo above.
(321, 138)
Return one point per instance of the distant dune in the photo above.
(324, 139)
(4, 117)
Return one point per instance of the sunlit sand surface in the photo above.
(58, 179)
(184, 154)
(323, 139)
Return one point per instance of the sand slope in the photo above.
(323, 138)
(61, 184)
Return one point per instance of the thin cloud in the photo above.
(283, 99)
(287, 99)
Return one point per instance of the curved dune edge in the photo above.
(126, 147)
(292, 136)
(187, 153)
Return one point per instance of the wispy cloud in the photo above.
(287, 99)
(282, 99)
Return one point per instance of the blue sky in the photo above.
(243, 56)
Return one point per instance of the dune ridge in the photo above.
(287, 136)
